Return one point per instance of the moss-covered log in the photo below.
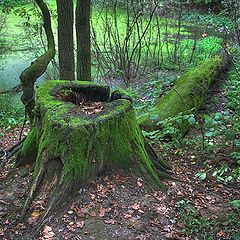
(70, 146)
(186, 96)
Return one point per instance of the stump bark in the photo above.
(70, 145)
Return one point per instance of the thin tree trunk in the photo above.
(65, 39)
(29, 76)
(83, 40)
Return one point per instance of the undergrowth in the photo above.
(11, 111)
(207, 227)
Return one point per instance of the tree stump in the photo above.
(77, 134)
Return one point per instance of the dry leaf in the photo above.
(80, 224)
(36, 214)
(126, 215)
(92, 214)
(221, 233)
(48, 233)
(70, 212)
(140, 211)
(32, 220)
(136, 206)
(110, 221)
(140, 182)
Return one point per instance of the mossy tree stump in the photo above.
(70, 146)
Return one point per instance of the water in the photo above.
(11, 70)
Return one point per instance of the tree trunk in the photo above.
(83, 40)
(29, 76)
(65, 39)
(71, 143)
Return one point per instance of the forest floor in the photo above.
(118, 205)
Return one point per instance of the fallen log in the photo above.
(186, 96)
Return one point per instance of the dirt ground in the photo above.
(117, 205)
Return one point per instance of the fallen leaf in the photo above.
(110, 221)
(32, 220)
(48, 233)
(92, 214)
(140, 211)
(47, 229)
(177, 151)
(93, 197)
(126, 215)
(181, 225)
(103, 211)
(221, 233)
(140, 182)
(80, 224)
(136, 206)
(36, 214)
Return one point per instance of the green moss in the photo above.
(185, 97)
(85, 144)
(28, 152)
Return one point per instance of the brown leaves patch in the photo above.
(103, 211)
(110, 221)
(48, 233)
(80, 224)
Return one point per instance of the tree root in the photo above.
(53, 201)
(7, 154)
(49, 174)
(35, 184)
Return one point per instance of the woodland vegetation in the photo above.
(119, 119)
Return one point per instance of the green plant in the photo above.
(11, 110)
(197, 225)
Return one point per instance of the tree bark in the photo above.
(65, 39)
(83, 40)
(29, 76)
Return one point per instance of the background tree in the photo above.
(65, 39)
(83, 40)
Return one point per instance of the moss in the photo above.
(29, 150)
(86, 144)
(187, 95)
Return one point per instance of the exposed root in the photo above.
(59, 190)
(35, 184)
(158, 163)
(49, 185)
(7, 154)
